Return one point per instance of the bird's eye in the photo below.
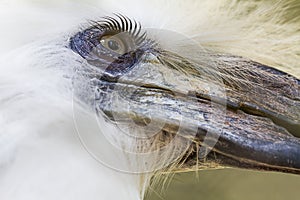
(112, 44)
(115, 43)
(109, 37)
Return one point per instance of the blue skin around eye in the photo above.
(87, 45)
(82, 42)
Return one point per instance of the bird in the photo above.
(99, 99)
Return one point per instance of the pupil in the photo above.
(113, 45)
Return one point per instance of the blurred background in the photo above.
(229, 184)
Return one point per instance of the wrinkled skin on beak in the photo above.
(245, 114)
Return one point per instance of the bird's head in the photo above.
(186, 106)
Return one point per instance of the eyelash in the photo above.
(87, 43)
(119, 24)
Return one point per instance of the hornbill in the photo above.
(142, 100)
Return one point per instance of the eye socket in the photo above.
(114, 43)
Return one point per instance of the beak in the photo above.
(252, 119)
(262, 123)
